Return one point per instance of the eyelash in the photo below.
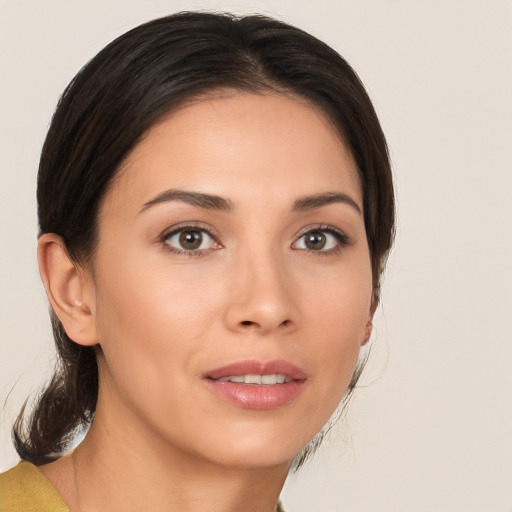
(164, 237)
(341, 238)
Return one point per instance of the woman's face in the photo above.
(232, 255)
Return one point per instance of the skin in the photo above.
(162, 319)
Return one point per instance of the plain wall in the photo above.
(431, 428)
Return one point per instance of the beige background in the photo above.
(432, 428)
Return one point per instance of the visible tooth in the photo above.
(269, 379)
(252, 379)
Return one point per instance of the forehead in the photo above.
(241, 145)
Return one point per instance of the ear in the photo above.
(369, 325)
(69, 289)
(367, 332)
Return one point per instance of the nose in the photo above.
(262, 298)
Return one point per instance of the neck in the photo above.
(114, 470)
(109, 478)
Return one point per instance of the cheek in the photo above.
(339, 314)
(153, 301)
(339, 302)
(151, 323)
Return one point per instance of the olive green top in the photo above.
(25, 489)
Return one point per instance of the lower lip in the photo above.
(258, 397)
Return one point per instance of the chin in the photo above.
(250, 459)
(258, 449)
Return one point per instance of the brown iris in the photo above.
(191, 240)
(315, 240)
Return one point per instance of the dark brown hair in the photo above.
(123, 91)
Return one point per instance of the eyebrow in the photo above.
(206, 201)
(318, 200)
(214, 202)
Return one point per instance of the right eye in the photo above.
(189, 240)
(323, 239)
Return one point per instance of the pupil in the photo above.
(191, 239)
(315, 241)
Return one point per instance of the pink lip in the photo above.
(253, 367)
(259, 397)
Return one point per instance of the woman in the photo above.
(215, 207)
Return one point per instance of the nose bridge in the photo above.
(262, 287)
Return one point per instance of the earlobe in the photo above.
(369, 325)
(367, 332)
(67, 288)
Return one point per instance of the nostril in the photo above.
(251, 324)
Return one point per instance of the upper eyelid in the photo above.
(190, 225)
(322, 227)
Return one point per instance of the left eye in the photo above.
(190, 240)
(318, 240)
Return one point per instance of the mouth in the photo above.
(257, 380)
(257, 385)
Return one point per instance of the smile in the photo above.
(257, 380)
(257, 385)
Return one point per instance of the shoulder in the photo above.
(25, 489)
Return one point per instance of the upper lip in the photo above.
(254, 367)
